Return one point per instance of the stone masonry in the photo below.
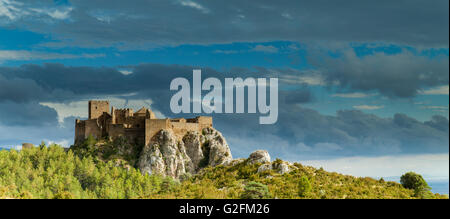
(138, 127)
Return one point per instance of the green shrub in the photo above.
(304, 187)
(416, 182)
(255, 190)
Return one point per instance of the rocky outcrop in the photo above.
(167, 156)
(259, 156)
(262, 157)
(193, 147)
(216, 146)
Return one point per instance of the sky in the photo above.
(360, 83)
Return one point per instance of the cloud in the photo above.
(368, 107)
(352, 95)
(26, 114)
(266, 49)
(10, 9)
(296, 77)
(59, 14)
(79, 109)
(12, 135)
(394, 75)
(219, 51)
(15, 10)
(442, 90)
(61, 89)
(195, 5)
(13, 55)
(302, 95)
(145, 24)
(436, 107)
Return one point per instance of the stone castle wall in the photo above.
(138, 126)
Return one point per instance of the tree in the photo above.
(304, 187)
(416, 182)
(255, 190)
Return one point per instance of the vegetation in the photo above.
(88, 172)
(416, 182)
(50, 172)
(304, 187)
(255, 190)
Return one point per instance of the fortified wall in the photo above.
(139, 126)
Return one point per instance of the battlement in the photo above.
(139, 126)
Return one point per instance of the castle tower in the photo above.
(113, 114)
(97, 108)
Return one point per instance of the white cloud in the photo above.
(64, 142)
(59, 14)
(30, 55)
(14, 10)
(195, 5)
(436, 107)
(309, 79)
(352, 95)
(368, 107)
(226, 51)
(10, 9)
(431, 166)
(442, 90)
(266, 49)
(64, 110)
(125, 72)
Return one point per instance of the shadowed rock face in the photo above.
(167, 156)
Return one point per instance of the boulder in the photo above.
(259, 156)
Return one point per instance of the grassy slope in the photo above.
(52, 173)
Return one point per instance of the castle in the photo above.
(138, 127)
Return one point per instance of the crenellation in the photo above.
(139, 126)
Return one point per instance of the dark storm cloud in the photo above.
(306, 133)
(26, 114)
(143, 23)
(439, 122)
(393, 75)
(298, 130)
(302, 95)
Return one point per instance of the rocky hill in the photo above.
(165, 155)
(199, 165)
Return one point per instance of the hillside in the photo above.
(51, 172)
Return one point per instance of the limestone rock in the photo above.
(165, 156)
(219, 152)
(264, 168)
(193, 147)
(234, 162)
(283, 168)
(168, 156)
(259, 156)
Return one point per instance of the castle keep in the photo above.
(138, 127)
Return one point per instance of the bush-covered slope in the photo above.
(50, 172)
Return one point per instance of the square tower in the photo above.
(97, 108)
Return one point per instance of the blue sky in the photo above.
(356, 79)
